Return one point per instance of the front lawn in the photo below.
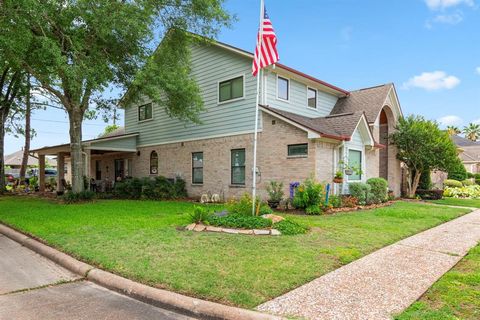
(474, 203)
(140, 240)
(455, 296)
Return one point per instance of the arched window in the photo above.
(153, 162)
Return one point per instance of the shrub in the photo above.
(309, 196)
(361, 191)
(199, 215)
(470, 175)
(435, 194)
(452, 183)
(74, 197)
(335, 201)
(159, 188)
(425, 181)
(349, 201)
(289, 228)
(275, 191)
(470, 192)
(239, 221)
(379, 190)
(457, 171)
(243, 206)
(468, 182)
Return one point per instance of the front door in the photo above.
(119, 169)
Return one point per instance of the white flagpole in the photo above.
(259, 76)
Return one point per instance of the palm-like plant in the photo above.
(472, 131)
(453, 130)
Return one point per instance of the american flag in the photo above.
(266, 50)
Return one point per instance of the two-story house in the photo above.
(307, 128)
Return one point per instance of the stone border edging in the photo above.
(198, 227)
(157, 297)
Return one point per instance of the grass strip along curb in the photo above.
(157, 297)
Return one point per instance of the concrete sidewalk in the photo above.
(33, 287)
(385, 282)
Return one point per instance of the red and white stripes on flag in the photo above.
(266, 50)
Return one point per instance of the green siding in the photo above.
(210, 65)
(298, 98)
(116, 144)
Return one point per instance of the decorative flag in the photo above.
(266, 50)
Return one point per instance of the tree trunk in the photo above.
(415, 182)
(76, 155)
(3, 118)
(26, 148)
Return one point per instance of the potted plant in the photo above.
(275, 193)
(338, 177)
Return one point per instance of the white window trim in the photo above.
(316, 99)
(138, 113)
(231, 172)
(362, 176)
(227, 79)
(289, 87)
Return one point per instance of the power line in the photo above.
(66, 122)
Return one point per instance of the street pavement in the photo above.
(33, 287)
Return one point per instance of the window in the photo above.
(355, 163)
(283, 88)
(98, 170)
(145, 112)
(230, 89)
(298, 149)
(153, 162)
(312, 98)
(197, 167)
(238, 166)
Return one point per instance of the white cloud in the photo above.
(450, 121)
(454, 18)
(443, 4)
(477, 70)
(431, 81)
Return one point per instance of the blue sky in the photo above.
(430, 49)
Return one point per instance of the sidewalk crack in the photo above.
(430, 250)
(54, 284)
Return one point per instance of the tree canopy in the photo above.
(78, 48)
(423, 147)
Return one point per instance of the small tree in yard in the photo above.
(423, 147)
(78, 48)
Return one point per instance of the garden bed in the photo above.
(199, 227)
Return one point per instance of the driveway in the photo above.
(33, 287)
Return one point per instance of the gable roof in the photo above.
(368, 100)
(464, 142)
(15, 159)
(467, 157)
(338, 127)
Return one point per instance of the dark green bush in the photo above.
(73, 197)
(457, 171)
(239, 221)
(158, 188)
(289, 228)
(361, 191)
(425, 181)
(378, 190)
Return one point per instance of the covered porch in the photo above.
(106, 160)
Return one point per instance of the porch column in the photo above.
(88, 163)
(60, 170)
(41, 172)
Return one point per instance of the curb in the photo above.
(157, 297)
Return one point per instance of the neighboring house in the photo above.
(14, 161)
(469, 153)
(307, 128)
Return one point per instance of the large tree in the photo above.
(77, 48)
(423, 147)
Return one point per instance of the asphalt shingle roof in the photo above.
(369, 100)
(464, 142)
(341, 126)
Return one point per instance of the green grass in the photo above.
(140, 240)
(455, 296)
(474, 203)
